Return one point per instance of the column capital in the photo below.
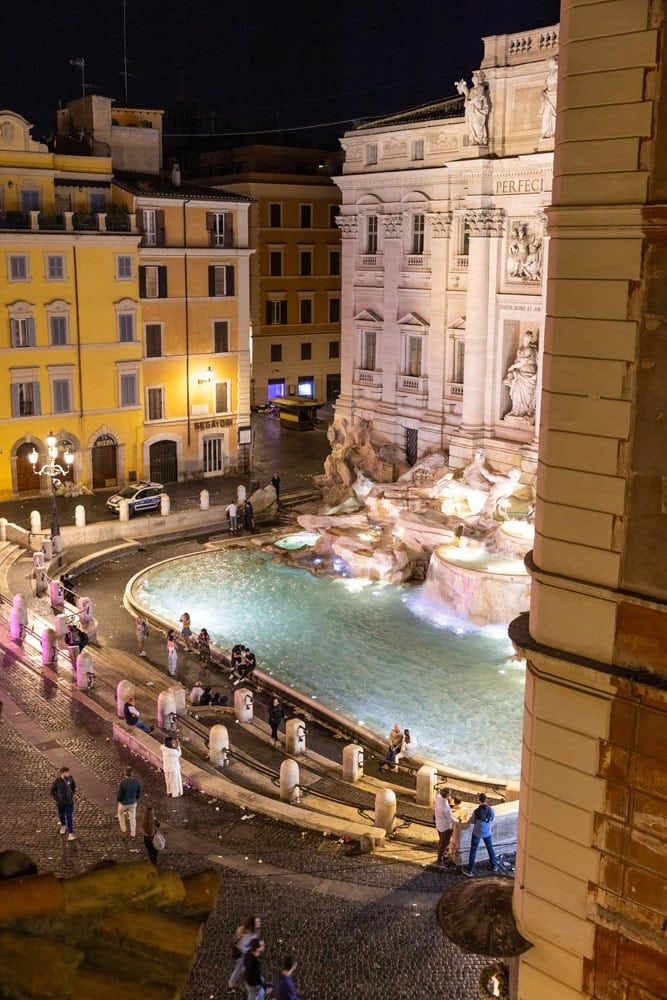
(440, 222)
(348, 225)
(485, 221)
(392, 226)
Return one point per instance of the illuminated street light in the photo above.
(55, 472)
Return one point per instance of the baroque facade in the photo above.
(444, 258)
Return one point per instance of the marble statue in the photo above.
(475, 474)
(524, 254)
(548, 105)
(521, 379)
(502, 489)
(477, 107)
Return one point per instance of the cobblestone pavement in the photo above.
(296, 456)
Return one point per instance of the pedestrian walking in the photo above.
(204, 647)
(444, 824)
(141, 627)
(172, 654)
(154, 841)
(171, 765)
(129, 793)
(283, 984)
(275, 482)
(232, 512)
(186, 629)
(276, 716)
(483, 818)
(246, 932)
(253, 975)
(248, 516)
(63, 791)
(133, 716)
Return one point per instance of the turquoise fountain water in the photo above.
(377, 654)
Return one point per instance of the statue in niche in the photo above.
(524, 254)
(548, 95)
(477, 107)
(521, 379)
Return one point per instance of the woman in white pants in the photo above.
(171, 765)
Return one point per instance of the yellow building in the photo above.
(193, 281)
(295, 273)
(69, 299)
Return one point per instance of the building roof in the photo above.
(450, 107)
(157, 186)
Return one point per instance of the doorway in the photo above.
(212, 456)
(26, 480)
(333, 388)
(105, 467)
(163, 462)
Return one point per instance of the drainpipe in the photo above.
(187, 322)
(78, 349)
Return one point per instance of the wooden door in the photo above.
(105, 469)
(26, 480)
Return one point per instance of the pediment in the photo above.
(367, 316)
(458, 324)
(414, 319)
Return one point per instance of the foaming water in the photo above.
(377, 653)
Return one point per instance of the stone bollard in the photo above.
(3, 529)
(57, 595)
(166, 710)
(179, 694)
(240, 495)
(35, 522)
(385, 809)
(204, 500)
(41, 581)
(86, 618)
(124, 691)
(47, 548)
(218, 745)
(123, 510)
(295, 736)
(353, 762)
(289, 782)
(16, 626)
(80, 516)
(165, 504)
(57, 544)
(49, 646)
(243, 705)
(60, 623)
(426, 777)
(85, 665)
(18, 604)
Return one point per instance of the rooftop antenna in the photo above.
(81, 63)
(125, 72)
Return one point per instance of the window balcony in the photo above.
(460, 262)
(417, 384)
(87, 222)
(370, 261)
(416, 262)
(454, 390)
(14, 220)
(369, 379)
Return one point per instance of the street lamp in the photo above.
(55, 471)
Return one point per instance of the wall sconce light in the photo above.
(207, 377)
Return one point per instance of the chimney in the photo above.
(176, 175)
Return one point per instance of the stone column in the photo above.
(529, 451)
(349, 230)
(483, 224)
(435, 361)
(389, 340)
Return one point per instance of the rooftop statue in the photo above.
(477, 107)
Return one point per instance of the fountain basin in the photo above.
(515, 536)
(299, 540)
(489, 588)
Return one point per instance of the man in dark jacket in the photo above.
(63, 790)
(276, 716)
(482, 819)
(283, 984)
(129, 793)
(252, 971)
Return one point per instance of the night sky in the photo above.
(259, 64)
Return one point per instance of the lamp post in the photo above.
(54, 471)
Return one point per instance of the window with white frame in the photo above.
(126, 327)
(371, 153)
(417, 234)
(221, 336)
(17, 267)
(368, 350)
(212, 455)
(128, 388)
(219, 225)
(124, 269)
(22, 331)
(55, 267)
(152, 289)
(61, 394)
(58, 329)
(222, 397)
(414, 357)
(31, 199)
(221, 280)
(465, 238)
(418, 149)
(459, 361)
(276, 312)
(153, 340)
(372, 234)
(149, 222)
(155, 403)
(25, 398)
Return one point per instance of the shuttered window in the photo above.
(153, 340)
(61, 389)
(123, 267)
(128, 389)
(25, 399)
(18, 267)
(275, 263)
(153, 281)
(58, 330)
(55, 267)
(220, 226)
(306, 311)
(221, 336)
(221, 280)
(276, 312)
(306, 263)
(155, 404)
(126, 327)
(221, 397)
(22, 332)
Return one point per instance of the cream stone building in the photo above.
(444, 257)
